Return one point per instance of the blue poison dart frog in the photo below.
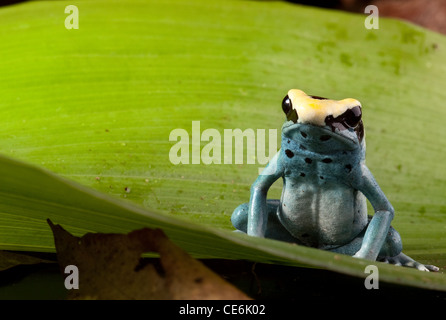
(326, 184)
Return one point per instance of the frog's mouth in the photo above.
(321, 138)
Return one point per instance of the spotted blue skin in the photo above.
(326, 185)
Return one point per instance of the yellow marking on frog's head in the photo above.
(314, 110)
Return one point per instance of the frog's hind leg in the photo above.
(403, 260)
(391, 252)
(274, 229)
(239, 217)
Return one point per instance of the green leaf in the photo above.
(25, 205)
(96, 106)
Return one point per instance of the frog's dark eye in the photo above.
(287, 108)
(352, 116)
(286, 104)
(350, 119)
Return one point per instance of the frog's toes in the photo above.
(406, 261)
(428, 267)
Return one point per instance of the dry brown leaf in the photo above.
(110, 268)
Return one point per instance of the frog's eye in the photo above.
(286, 104)
(349, 119)
(352, 116)
(287, 108)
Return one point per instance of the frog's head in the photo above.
(322, 125)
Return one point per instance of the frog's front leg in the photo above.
(274, 229)
(380, 241)
(239, 217)
(253, 217)
(258, 210)
(378, 228)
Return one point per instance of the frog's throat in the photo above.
(352, 142)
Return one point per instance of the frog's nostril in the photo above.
(325, 137)
(303, 134)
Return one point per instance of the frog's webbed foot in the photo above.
(406, 261)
